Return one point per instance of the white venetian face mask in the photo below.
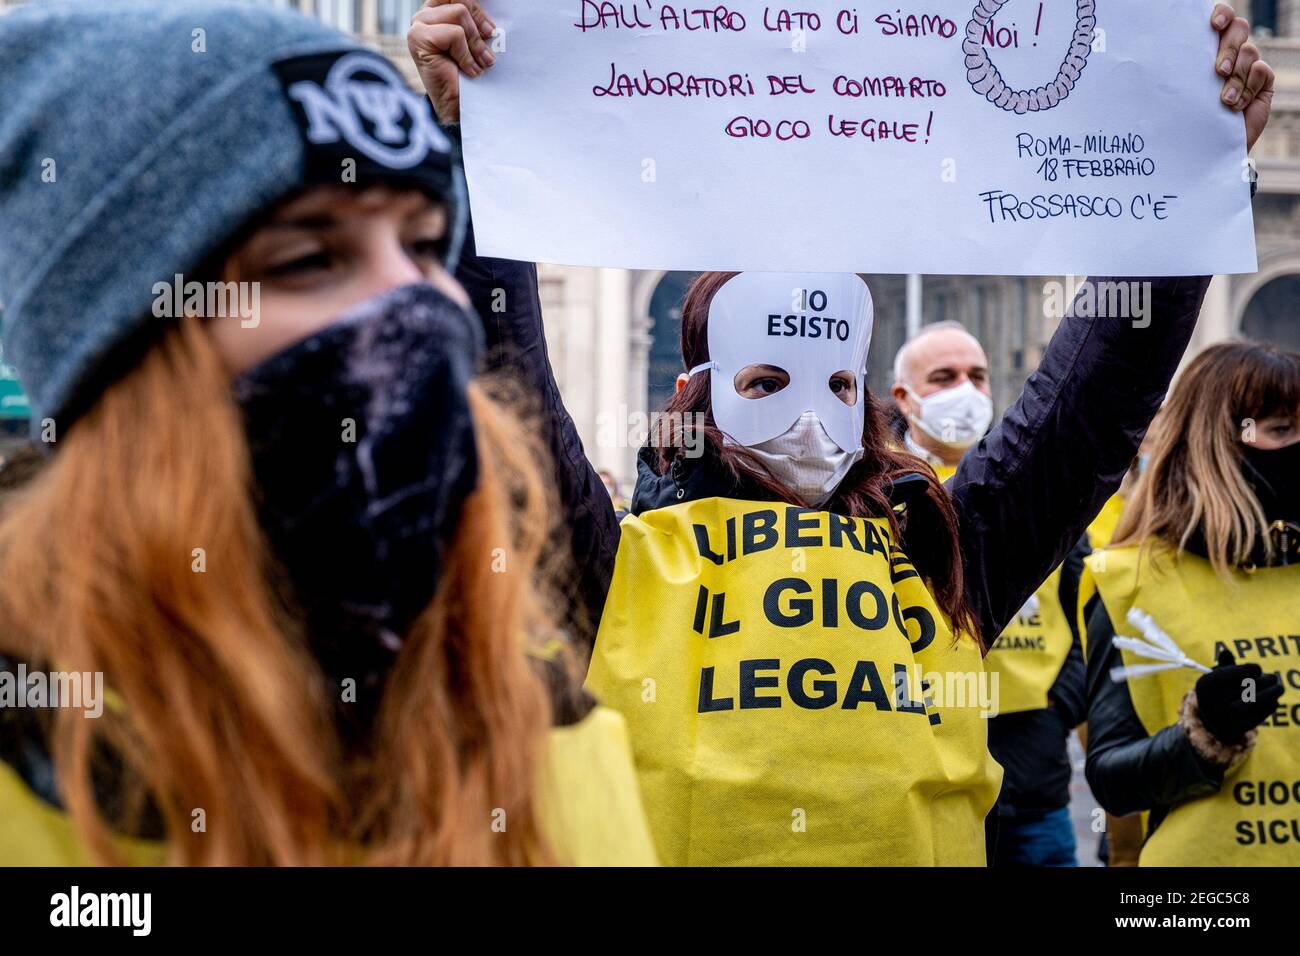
(814, 327)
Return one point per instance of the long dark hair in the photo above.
(865, 490)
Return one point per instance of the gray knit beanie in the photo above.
(138, 137)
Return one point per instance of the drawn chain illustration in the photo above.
(983, 75)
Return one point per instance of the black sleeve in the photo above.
(505, 295)
(1069, 692)
(1127, 769)
(1026, 492)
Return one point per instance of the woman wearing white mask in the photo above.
(794, 623)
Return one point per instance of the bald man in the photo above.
(941, 387)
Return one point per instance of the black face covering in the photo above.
(363, 452)
(1274, 476)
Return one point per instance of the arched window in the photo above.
(340, 14)
(395, 15)
(665, 337)
(1273, 313)
(1263, 17)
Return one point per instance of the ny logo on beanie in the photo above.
(355, 102)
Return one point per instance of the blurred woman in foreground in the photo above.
(290, 550)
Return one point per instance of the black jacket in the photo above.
(1127, 768)
(1024, 495)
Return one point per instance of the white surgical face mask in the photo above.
(806, 460)
(956, 417)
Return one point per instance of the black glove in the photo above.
(1220, 693)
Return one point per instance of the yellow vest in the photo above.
(1254, 820)
(753, 649)
(1029, 654)
(587, 803)
(1102, 529)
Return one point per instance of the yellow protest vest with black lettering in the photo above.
(793, 693)
(1254, 820)
(1029, 654)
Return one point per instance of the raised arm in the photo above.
(505, 294)
(446, 39)
(1026, 493)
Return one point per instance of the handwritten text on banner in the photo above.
(1022, 137)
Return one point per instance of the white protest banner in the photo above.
(1021, 137)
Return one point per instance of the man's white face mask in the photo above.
(956, 417)
(815, 327)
